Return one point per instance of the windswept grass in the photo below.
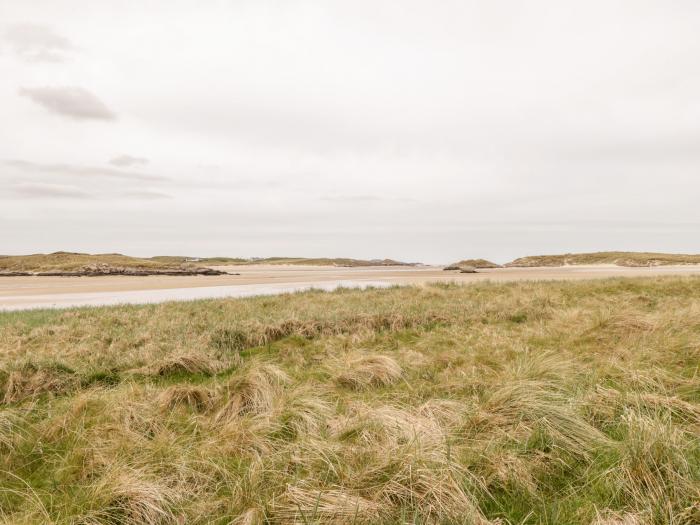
(519, 403)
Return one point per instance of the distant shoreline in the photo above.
(69, 264)
(19, 293)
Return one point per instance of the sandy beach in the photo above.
(20, 293)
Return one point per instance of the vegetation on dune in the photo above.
(177, 259)
(103, 263)
(519, 403)
(67, 263)
(338, 261)
(618, 258)
(472, 263)
(309, 261)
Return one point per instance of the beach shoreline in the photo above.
(29, 292)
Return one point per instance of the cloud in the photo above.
(37, 43)
(41, 190)
(73, 102)
(80, 170)
(148, 195)
(351, 199)
(127, 160)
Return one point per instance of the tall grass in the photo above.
(520, 403)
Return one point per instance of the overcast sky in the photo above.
(417, 130)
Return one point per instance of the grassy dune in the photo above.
(472, 263)
(618, 258)
(309, 261)
(175, 259)
(71, 262)
(84, 264)
(67, 261)
(521, 403)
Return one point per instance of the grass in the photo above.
(84, 264)
(307, 261)
(618, 258)
(67, 261)
(176, 259)
(472, 263)
(71, 262)
(518, 403)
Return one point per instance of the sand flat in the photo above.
(18, 293)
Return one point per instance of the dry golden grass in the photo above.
(613, 518)
(131, 496)
(520, 403)
(369, 370)
(29, 381)
(301, 504)
(194, 397)
(255, 392)
(186, 364)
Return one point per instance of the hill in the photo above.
(69, 263)
(207, 261)
(305, 261)
(634, 259)
(472, 263)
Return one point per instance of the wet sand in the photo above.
(19, 293)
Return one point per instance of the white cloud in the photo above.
(127, 160)
(37, 43)
(148, 195)
(73, 102)
(79, 171)
(43, 190)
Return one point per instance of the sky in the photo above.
(415, 130)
